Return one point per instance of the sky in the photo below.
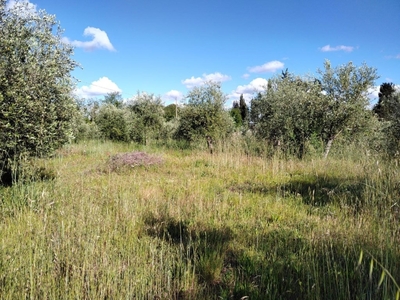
(167, 47)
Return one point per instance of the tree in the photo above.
(36, 106)
(244, 110)
(204, 115)
(288, 113)
(112, 122)
(386, 91)
(148, 114)
(170, 112)
(235, 114)
(114, 98)
(345, 88)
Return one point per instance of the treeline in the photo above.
(294, 115)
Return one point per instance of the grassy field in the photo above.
(201, 226)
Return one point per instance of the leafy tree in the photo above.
(235, 114)
(170, 112)
(386, 92)
(114, 98)
(390, 123)
(345, 88)
(112, 123)
(36, 106)
(288, 113)
(148, 113)
(204, 115)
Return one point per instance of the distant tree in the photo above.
(36, 103)
(148, 117)
(285, 74)
(244, 110)
(114, 98)
(345, 91)
(170, 112)
(235, 114)
(386, 91)
(390, 122)
(204, 115)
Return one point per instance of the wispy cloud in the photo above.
(23, 6)
(173, 96)
(100, 87)
(271, 66)
(255, 86)
(328, 48)
(198, 81)
(100, 40)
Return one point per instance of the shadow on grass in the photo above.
(205, 247)
(323, 190)
(280, 263)
(314, 190)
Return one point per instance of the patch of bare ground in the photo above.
(133, 159)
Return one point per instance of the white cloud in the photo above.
(173, 96)
(328, 48)
(198, 81)
(245, 76)
(100, 87)
(271, 66)
(373, 93)
(100, 40)
(25, 6)
(255, 86)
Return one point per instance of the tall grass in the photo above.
(200, 226)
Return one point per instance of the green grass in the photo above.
(200, 226)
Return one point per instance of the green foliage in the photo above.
(236, 116)
(244, 110)
(346, 88)
(391, 125)
(114, 98)
(36, 107)
(204, 115)
(148, 114)
(112, 123)
(383, 107)
(171, 111)
(288, 113)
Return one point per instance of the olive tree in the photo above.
(112, 122)
(204, 114)
(36, 106)
(148, 117)
(288, 112)
(345, 91)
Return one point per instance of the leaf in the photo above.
(371, 268)
(382, 278)
(360, 258)
(398, 295)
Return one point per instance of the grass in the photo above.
(200, 226)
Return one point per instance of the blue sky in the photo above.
(166, 47)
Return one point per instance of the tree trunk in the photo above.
(329, 143)
(210, 144)
(328, 147)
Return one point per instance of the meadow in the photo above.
(226, 225)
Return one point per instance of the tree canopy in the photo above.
(36, 106)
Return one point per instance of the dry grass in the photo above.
(197, 226)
